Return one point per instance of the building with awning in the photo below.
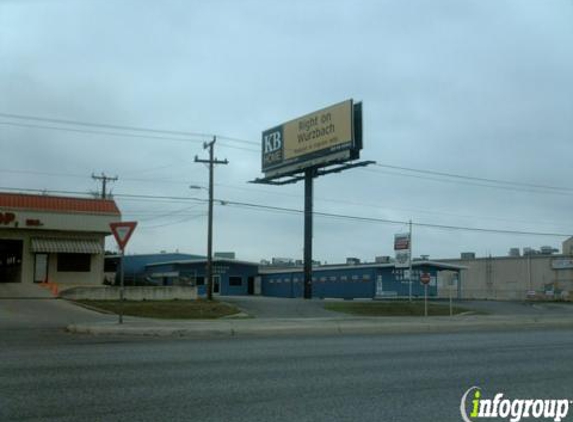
(55, 239)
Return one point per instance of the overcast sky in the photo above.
(482, 89)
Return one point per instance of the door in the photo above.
(251, 285)
(216, 284)
(41, 268)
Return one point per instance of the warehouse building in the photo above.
(533, 274)
(134, 266)
(54, 239)
(354, 280)
(231, 276)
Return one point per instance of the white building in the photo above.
(53, 239)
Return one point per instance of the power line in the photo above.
(114, 127)
(554, 191)
(321, 214)
(105, 125)
(98, 132)
(387, 221)
(283, 194)
(479, 179)
(239, 140)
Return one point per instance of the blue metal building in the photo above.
(355, 281)
(231, 277)
(134, 265)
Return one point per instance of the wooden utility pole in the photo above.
(104, 179)
(211, 162)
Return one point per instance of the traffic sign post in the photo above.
(425, 279)
(122, 232)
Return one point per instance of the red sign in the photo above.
(122, 232)
(7, 218)
(425, 278)
(401, 242)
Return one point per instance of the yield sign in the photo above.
(122, 232)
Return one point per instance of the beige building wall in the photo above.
(514, 278)
(567, 247)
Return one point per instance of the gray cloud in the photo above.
(476, 88)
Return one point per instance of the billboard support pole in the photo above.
(308, 180)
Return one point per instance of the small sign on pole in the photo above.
(122, 232)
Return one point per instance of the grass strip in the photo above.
(392, 308)
(166, 309)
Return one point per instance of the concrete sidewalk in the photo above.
(318, 326)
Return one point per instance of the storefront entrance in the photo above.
(11, 261)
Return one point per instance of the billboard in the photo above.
(402, 250)
(330, 135)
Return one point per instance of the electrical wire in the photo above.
(316, 213)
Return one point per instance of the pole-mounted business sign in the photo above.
(402, 250)
(330, 135)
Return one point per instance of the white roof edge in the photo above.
(200, 260)
(262, 269)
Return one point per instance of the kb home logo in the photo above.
(273, 146)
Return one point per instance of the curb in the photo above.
(233, 328)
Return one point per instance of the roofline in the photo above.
(200, 261)
(506, 257)
(39, 196)
(442, 265)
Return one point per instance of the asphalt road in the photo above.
(47, 374)
(60, 377)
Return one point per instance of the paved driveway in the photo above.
(275, 307)
(31, 306)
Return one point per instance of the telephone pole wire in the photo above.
(211, 161)
(104, 179)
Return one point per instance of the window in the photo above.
(200, 281)
(74, 262)
(235, 281)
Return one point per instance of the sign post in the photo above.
(425, 279)
(122, 232)
(451, 300)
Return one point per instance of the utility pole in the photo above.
(104, 179)
(211, 161)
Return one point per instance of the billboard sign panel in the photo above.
(319, 138)
(402, 250)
